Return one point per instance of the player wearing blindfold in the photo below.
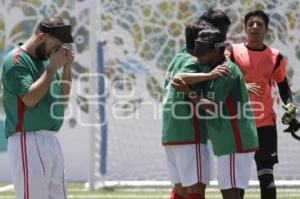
(183, 135)
(33, 96)
(231, 129)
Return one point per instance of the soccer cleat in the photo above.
(174, 195)
(195, 196)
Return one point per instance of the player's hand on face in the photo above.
(254, 88)
(70, 55)
(220, 71)
(58, 58)
(178, 84)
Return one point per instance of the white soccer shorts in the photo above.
(188, 164)
(37, 165)
(234, 171)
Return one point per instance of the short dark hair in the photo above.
(258, 13)
(217, 18)
(212, 35)
(191, 34)
(50, 22)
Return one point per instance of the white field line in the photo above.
(11, 188)
(139, 196)
(7, 188)
(214, 196)
(280, 183)
(150, 190)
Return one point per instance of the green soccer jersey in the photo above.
(20, 70)
(180, 124)
(233, 130)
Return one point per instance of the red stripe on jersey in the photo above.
(234, 125)
(196, 125)
(21, 109)
(178, 143)
(19, 128)
(21, 106)
(197, 131)
(250, 150)
(16, 56)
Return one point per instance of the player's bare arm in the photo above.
(253, 88)
(39, 88)
(194, 78)
(66, 79)
(182, 86)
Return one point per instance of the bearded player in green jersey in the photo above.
(34, 95)
(232, 129)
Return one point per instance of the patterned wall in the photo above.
(147, 34)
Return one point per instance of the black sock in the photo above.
(267, 184)
(242, 193)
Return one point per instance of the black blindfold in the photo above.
(63, 33)
(203, 47)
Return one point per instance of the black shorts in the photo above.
(267, 155)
